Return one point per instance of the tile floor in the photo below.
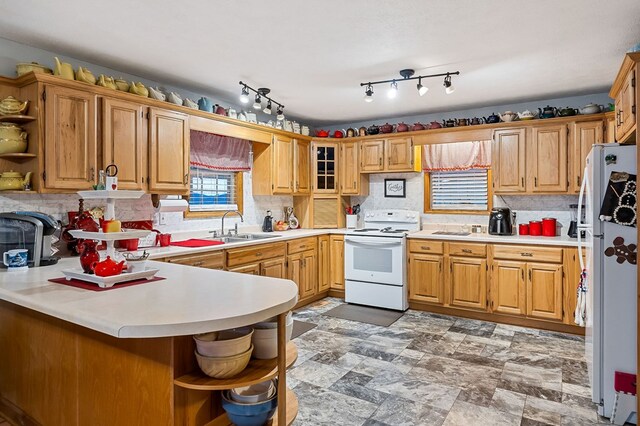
(429, 369)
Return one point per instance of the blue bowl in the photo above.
(249, 414)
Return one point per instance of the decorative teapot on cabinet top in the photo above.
(527, 115)
(592, 109)
(106, 81)
(508, 116)
(493, 118)
(63, 69)
(156, 93)
(14, 181)
(547, 112)
(86, 76)
(138, 89)
(12, 106)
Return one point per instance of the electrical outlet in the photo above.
(163, 219)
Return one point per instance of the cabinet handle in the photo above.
(620, 115)
(199, 263)
(522, 180)
(525, 254)
(380, 161)
(303, 246)
(354, 184)
(522, 273)
(259, 254)
(535, 181)
(578, 180)
(92, 173)
(186, 178)
(529, 274)
(466, 251)
(425, 247)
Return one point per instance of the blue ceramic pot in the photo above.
(249, 414)
(205, 104)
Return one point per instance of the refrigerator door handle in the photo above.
(583, 190)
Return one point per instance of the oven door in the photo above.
(375, 259)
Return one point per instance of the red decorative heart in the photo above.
(114, 186)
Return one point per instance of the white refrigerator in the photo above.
(611, 296)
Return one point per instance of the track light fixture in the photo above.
(261, 93)
(407, 74)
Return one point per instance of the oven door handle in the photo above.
(378, 245)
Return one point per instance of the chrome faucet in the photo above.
(225, 215)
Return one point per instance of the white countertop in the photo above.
(189, 301)
(563, 240)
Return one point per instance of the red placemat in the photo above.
(95, 287)
(194, 242)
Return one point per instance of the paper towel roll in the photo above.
(166, 206)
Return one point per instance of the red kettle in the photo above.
(108, 267)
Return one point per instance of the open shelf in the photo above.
(16, 118)
(127, 234)
(258, 370)
(292, 412)
(18, 156)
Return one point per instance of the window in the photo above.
(213, 192)
(465, 191)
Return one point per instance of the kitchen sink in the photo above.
(457, 233)
(243, 237)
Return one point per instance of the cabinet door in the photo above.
(274, 268)
(426, 278)
(584, 135)
(309, 276)
(548, 159)
(627, 96)
(544, 291)
(213, 260)
(610, 129)
(399, 154)
(169, 151)
(70, 141)
(337, 262)
(349, 168)
(508, 294)
(325, 168)
(508, 155)
(372, 155)
(301, 167)
(282, 171)
(252, 268)
(295, 271)
(324, 263)
(123, 141)
(468, 282)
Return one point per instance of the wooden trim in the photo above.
(310, 300)
(188, 214)
(336, 293)
(427, 198)
(628, 63)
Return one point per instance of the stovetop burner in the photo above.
(365, 230)
(393, 231)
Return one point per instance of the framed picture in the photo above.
(395, 188)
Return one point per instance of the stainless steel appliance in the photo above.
(502, 221)
(376, 260)
(29, 230)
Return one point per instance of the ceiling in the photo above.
(314, 54)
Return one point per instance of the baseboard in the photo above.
(309, 300)
(336, 293)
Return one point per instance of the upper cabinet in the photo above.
(508, 160)
(352, 182)
(281, 167)
(625, 94)
(301, 167)
(387, 155)
(168, 151)
(124, 141)
(325, 167)
(282, 172)
(582, 136)
(71, 143)
(547, 160)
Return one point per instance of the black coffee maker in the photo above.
(502, 221)
(573, 225)
(267, 224)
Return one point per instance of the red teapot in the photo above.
(322, 133)
(338, 134)
(417, 127)
(89, 256)
(108, 267)
(386, 128)
(401, 127)
(435, 125)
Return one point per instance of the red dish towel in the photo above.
(194, 242)
(94, 287)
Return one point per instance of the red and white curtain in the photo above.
(456, 156)
(219, 153)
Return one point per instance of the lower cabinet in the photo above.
(544, 291)
(336, 275)
(303, 271)
(252, 269)
(508, 291)
(467, 282)
(263, 259)
(274, 268)
(426, 278)
(212, 260)
(324, 263)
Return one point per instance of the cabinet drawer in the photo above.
(466, 249)
(213, 260)
(425, 246)
(302, 244)
(254, 254)
(528, 253)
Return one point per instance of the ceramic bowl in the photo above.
(23, 68)
(249, 414)
(226, 343)
(253, 394)
(224, 367)
(136, 265)
(11, 146)
(265, 341)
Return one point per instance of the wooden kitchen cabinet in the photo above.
(301, 167)
(372, 155)
(212, 260)
(337, 262)
(467, 282)
(251, 268)
(303, 271)
(583, 136)
(547, 159)
(544, 291)
(324, 263)
(282, 170)
(325, 167)
(508, 161)
(124, 140)
(426, 278)
(274, 268)
(508, 291)
(610, 127)
(625, 93)
(352, 182)
(70, 147)
(399, 154)
(168, 152)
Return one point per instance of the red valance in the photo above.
(456, 156)
(217, 152)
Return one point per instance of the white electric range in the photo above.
(375, 259)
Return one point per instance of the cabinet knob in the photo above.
(466, 251)
(525, 254)
(186, 178)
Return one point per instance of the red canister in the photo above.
(549, 227)
(535, 227)
(523, 229)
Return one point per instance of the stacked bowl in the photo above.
(265, 337)
(225, 353)
(251, 405)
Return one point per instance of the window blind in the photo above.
(459, 190)
(212, 191)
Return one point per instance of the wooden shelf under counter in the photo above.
(292, 412)
(258, 370)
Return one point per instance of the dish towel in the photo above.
(194, 242)
(581, 305)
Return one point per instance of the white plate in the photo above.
(106, 282)
(115, 195)
(126, 234)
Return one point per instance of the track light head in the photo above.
(393, 90)
(244, 96)
(368, 94)
(267, 109)
(448, 87)
(257, 104)
(422, 90)
(280, 113)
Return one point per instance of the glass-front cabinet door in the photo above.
(325, 167)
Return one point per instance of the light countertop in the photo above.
(189, 301)
(563, 240)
